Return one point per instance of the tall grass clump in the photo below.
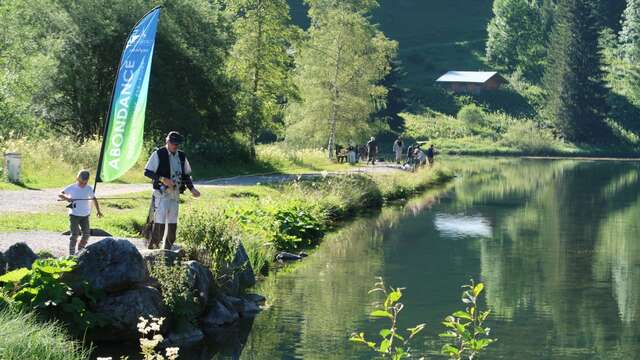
(209, 236)
(528, 137)
(24, 337)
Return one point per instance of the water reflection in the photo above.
(459, 226)
(557, 243)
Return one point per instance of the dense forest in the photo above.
(315, 73)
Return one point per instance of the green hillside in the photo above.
(435, 36)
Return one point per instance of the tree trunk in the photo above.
(334, 106)
(256, 121)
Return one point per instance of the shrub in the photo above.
(176, 294)
(209, 236)
(25, 337)
(42, 289)
(472, 115)
(526, 136)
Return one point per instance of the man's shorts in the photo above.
(166, 210)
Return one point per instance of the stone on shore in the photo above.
(123, 311)
(218, 315)
(111, 265)
(19, 255)
(200, 282)
(240, 273)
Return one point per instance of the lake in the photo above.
(556, 242)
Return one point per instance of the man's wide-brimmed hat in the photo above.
(175, 137)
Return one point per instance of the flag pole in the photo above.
(107, 121)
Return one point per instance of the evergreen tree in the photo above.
(630, 33)
(260, 60)
(576, 95)
(339, 67)
(517, 36)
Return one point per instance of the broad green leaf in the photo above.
(462, 315)
(385, 332)
(14, 276)
(381, 313)
(384, 346)
(478, 289)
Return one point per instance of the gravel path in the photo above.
(38, 201)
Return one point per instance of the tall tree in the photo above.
(575, 91)
(262, 62)
(517, 36)
(630, 33)
(339, 67)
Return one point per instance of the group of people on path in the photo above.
(170, 173)
(415, 155)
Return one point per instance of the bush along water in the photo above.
(465, 332)
(42, 289)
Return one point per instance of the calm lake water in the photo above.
(556, 242)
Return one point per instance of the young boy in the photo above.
(78, 196)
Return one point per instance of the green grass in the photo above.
(25, 337)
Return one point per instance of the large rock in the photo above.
(111, 265)
(123, 310)
(184, 338)
(19, 255)
(240, 273)
(218, 315)
(200, 282)
(3, 264)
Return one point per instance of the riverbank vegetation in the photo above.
(25, 336)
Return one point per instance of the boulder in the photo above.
(258, 299)
(123, 310)
(184, 338)
(240, 274)
(200, 282)
(19, 255)
(218, 315)
(111, 265)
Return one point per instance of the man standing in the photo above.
(372, 149)
(397, 149)
(170, 171)
(431, 153)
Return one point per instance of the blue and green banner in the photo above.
(122, 143)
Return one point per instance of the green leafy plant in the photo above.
(393, 344)
(181, 301)
(297, 227)
(465, 328)
(210, 236)
(42, 289)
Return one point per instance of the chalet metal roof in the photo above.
(467, 76)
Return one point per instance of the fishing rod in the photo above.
(114, 198)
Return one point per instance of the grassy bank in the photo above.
(50, 163)
(25, 337)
